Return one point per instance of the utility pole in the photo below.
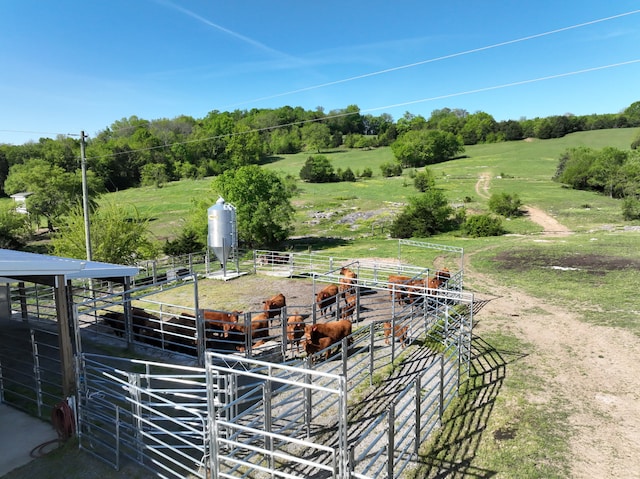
(85, 196)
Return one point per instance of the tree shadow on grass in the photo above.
(315, 243)
(454, 446)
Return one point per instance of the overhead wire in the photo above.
(440, 58)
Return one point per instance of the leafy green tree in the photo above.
(347, 175)
(425, 215)
(367, 173)
(632, 112)
(263, 204)
(480, 226)
(505, 204)
(635, 144)
(631, 208)
(424, 180)
(477, 128)
(55, 191)
(154, 174)
(316, 136)
(118, 235)
(245, 146)
(318, 169)
(187, 242)
(15, 230)
(425, 147)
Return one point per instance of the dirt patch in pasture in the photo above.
(525, 260)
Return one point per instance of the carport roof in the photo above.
(22, 266)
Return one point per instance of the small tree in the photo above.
(426, 215)
(479, 226)
(391, 169)
(423, 180)
(262, 200)
(153, 174)
(14, 230)
(505, 204)
(367, 173)
(348, 175)
(118, 235)
(631, 208)
(318, 169)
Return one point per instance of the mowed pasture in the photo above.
(513, 420)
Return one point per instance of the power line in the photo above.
(432, 60)
(411, 102)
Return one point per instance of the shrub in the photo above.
(348, 175)
(187, 242)
(505, 204)
(424, 180)
(631, 208)
(367, 173)
(480, 226)
(318, 169)
(426, 215)
(391, 169)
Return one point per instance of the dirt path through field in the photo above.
(590, 371)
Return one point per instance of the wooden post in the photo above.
(66, 350)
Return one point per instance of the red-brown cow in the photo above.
(347, 280)
(295, 331)
(323, 343)
(274, 305)
(336, 330)
(399, 332)
(397, 285)
(259, 331)
(218, 321)
(326, 298)
(350, 304)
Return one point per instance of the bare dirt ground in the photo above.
(591, 368)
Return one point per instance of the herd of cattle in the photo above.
(179, 334)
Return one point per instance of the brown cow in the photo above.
(399, 332)
(144, 325)
(259, 331)
(323, 343)
(326, 298)
(397, 285)
(274, 305)
(295, 331)
(347, 280)
(336, 330)
(350, 303)
(218, 321)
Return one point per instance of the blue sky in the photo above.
(69, 66)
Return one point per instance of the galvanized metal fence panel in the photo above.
(155, 414)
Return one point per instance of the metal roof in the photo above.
(22, 266)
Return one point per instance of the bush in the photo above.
(424, 180)
(426, 215)
(318, 169)
(367, 173)
(391, 169)
(347, 175)
(187, 242)
(480, 226)
(631, 208)
(505, 204)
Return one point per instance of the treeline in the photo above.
(609, 171)
(135, 151)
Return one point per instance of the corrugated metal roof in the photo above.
(19, 264)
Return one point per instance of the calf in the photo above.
(295, 331)
(274, 305)
(326, 298)
(350, 304)
(218, 322)
(399, 332)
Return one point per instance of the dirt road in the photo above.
(592, 369)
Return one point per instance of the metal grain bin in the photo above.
(222, 236)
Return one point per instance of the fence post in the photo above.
(390, 441)
(308, 399)
(441, 399)
(266, 401)
(372, 358)
(345, 357)
(418, 414)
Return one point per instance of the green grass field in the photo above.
(592, 272)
